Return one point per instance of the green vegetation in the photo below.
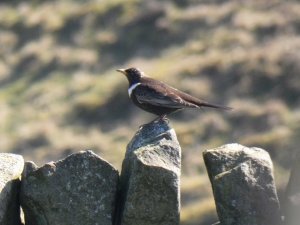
(59, 92)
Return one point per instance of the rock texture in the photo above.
(80, 189)
(292, 197)
(11, 167)
(243, 185)
(150, 177)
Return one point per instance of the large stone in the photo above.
(80, 189)
(292, 197)
(243, 185)
(150, 177)
(11, 167)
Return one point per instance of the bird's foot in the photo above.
(157, 120)
(162, 118)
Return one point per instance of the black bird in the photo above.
(159, 98)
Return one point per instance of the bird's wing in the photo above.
(159, 95)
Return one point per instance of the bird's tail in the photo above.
(216, 106)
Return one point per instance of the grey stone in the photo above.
(292, 197)
(150, 177)
(11, 167)
(243, 185)
(80, 189)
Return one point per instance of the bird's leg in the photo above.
(163, 118)
(159, 118)
(156, 120)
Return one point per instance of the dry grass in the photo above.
(202, 212)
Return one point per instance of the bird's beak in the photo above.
(122, 71)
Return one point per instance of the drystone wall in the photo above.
(85, 189)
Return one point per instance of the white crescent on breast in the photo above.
(131, 88)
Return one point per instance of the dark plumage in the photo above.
(159, 98)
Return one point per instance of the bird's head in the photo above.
(133, 74)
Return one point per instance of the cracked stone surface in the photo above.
(243, 185)
(80, 189)
(150, 192)
(11, 167)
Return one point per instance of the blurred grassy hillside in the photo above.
(59, 92)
